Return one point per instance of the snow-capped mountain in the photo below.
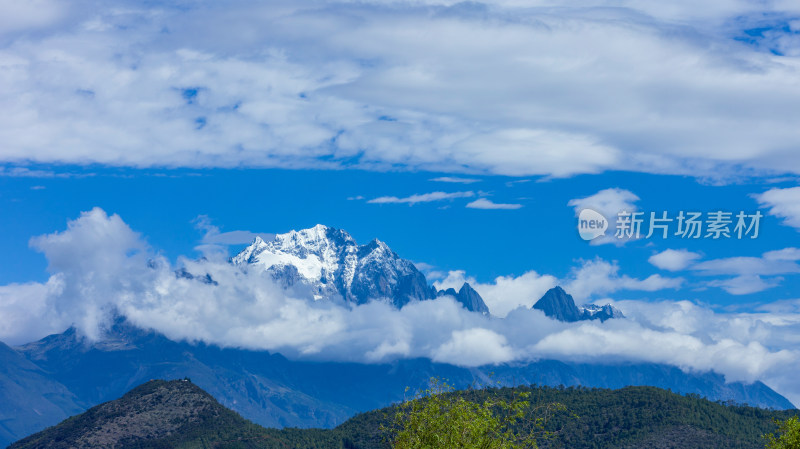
(602, 313)
(330, 263)
(558, 304)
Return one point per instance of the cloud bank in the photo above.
(508, 87)
(100, 266)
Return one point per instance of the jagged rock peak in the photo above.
(559, 305)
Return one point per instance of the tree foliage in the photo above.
(788, 436)
(438, 418)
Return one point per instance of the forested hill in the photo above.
(161, 414)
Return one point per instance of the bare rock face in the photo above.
(559, 305)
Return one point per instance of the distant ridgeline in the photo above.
(161, 414)
(44, 382)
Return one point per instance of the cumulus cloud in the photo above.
(783, 203)
(592, 279)
(99, 266)
(475, 347)
(506, 292)
(483, 203)
(25, 313)
(421, 198)
(514, 89)
(673, 259)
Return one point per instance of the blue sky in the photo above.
(466, 135)
(445, 235)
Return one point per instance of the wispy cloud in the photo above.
(483, 203)
(214, 243)
(516, 182)
(456, 180)
(745, 284)
(741, 275)
(25, 172)
(783, 203)
(421, 198)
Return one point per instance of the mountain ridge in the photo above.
(330, 263)
(559, 305)
(271, 390)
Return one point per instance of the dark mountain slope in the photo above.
(156, 414)
(632, 417)
(161, 414)
(29, 399)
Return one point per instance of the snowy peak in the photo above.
(330, 263)
(559, 305)
(602, 313)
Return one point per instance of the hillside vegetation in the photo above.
(178, 414)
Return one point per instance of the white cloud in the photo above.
(770, 263)
(592, 279)
(456, 180)
(99, 265)
(24, 172)
(599, 277)
(421, 198)
(506, 292)
(476, 347)
(29, 15)
(93, 261)
(214, 242)
(749, 274)
(783, 203)
(518, 88)
(673, 259)
(609, 203)
(745, 284)
(483, 203)
(25, 314)
(783, 254)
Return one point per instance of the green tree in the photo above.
(788, 435)
(435, 418)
